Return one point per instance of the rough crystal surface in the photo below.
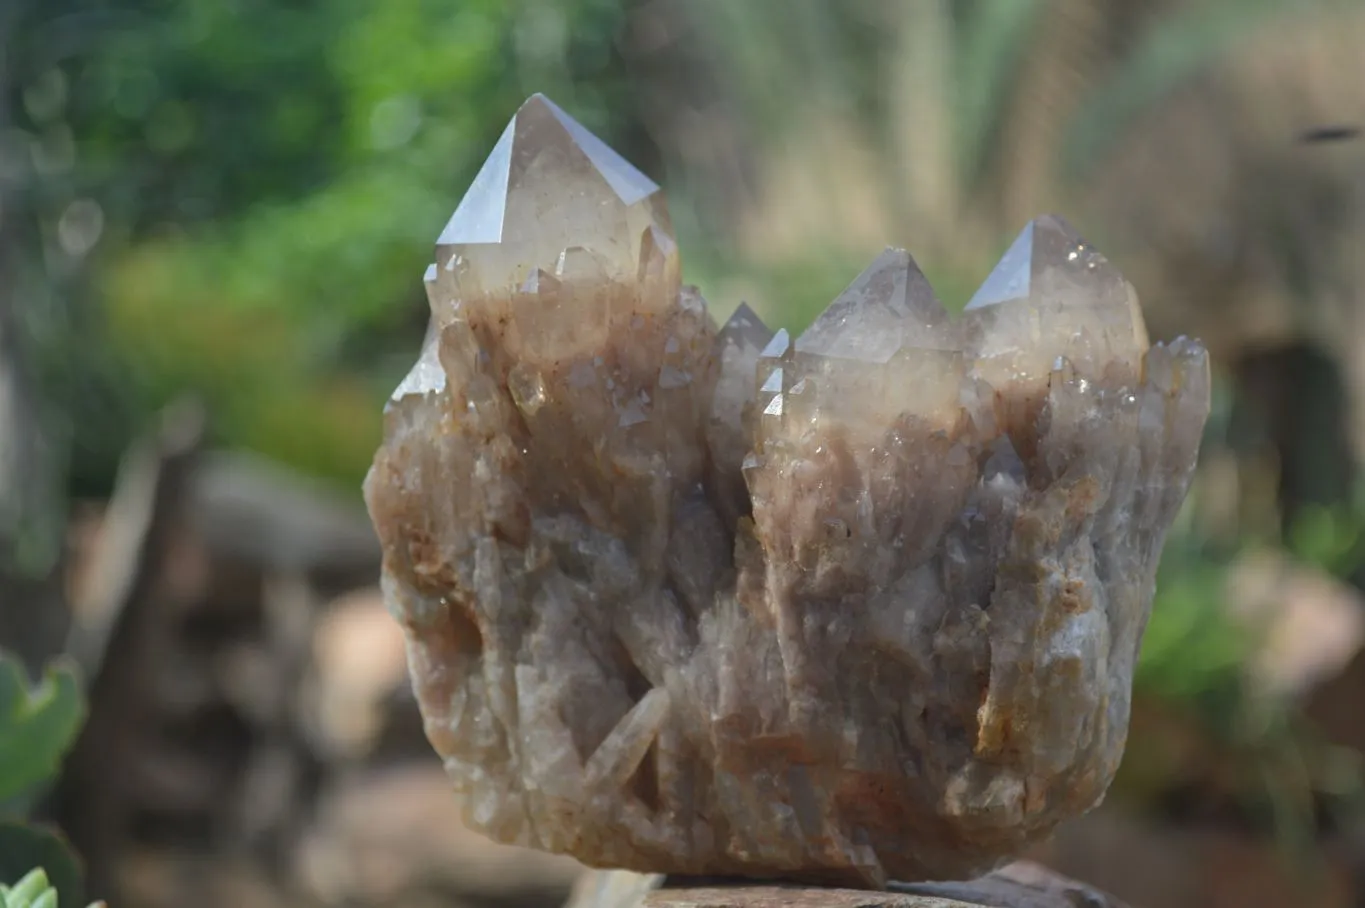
(710, 601)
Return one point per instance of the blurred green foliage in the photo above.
(1331, 536)
(37, 727)
(33, 891)
(1188, 616)
(267, 180)
(42, 863)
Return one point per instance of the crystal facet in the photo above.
(1053, 294)
(888, 308)
(728, 429)
(548, 183)
(858, 607)
(886, 332)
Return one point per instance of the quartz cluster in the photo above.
(855, 606)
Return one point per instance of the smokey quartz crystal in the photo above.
(858, 605)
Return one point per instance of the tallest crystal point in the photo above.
(550, 184)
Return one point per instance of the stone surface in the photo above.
(858, 607)
(1020, 885)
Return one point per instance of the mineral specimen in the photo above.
(858, 606)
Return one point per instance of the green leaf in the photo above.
(36, 726)
(27, 890)
(24, 847)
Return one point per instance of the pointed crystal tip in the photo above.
(745, 329)
(1045, 242)
(887, 307)
(1053, 293)
(548, 184)
(539, 127)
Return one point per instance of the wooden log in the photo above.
(1020, 885)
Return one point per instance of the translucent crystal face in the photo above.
(858, 606)
(884, 347)
(888, 308)
(1052, 294)
(547, 186)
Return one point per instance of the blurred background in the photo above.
(214, 218)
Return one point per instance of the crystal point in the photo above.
(546, 185)
(889, 306)
(630, 185)
(1053, 294)
(778, 345)
(738, 346)
(884, 349)
(745, 329)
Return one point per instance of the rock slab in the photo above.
(1020, 885)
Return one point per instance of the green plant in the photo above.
(37, 727)
(33, 891)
